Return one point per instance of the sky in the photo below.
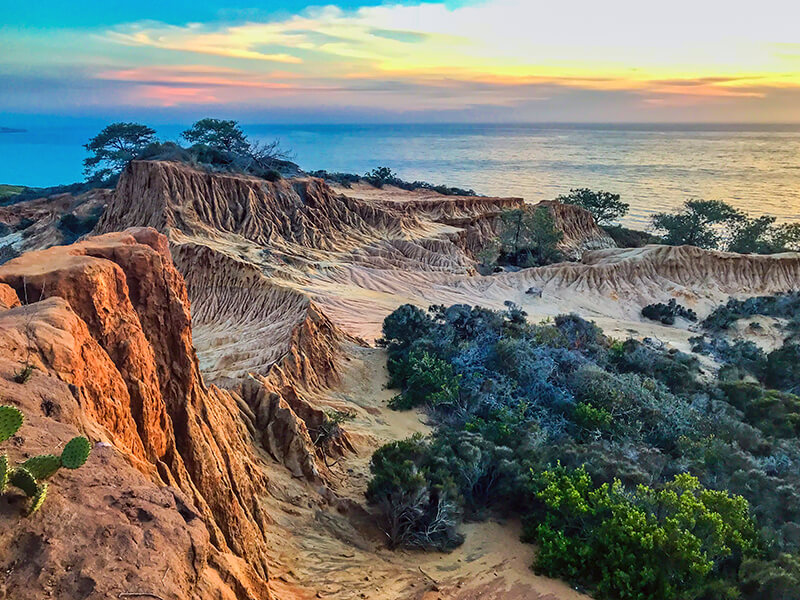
(439, 61)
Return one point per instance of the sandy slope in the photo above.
(336, 551)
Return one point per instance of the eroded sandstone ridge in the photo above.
(170, 499)
(207, 480)
(265, 260)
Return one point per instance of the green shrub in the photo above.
(783, 368)
(630, 238)
(8, 192)
(666, 313)
(503, 426)
(777, 579)
(589, 417)
(72, 227)
(773, 412)
(329, 430)
(785, 305)
(678, 542)
(385, 176)
(344, 179)
(675, 369)
(425, 380)
(418, 504)
(404, 326)
(528, 237)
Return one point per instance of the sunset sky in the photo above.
(456, 60)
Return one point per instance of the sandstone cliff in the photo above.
(244, 246)
(106, 324)
(251, 252)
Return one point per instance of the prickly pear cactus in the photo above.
(3, 473)
(22, 478)
(44, 466)
(10, 421)
(38, 498)
(29, 475)
(75, 452)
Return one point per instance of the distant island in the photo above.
(11, 130)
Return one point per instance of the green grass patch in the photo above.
(6, 191)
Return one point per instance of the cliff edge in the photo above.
(170, 500)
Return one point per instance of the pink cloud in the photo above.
(175, 96)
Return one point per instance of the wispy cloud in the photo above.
(434, 56)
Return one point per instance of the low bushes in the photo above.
(773, 412)
(416, 498)
(72, 226)
(424, 379)
(682, 541)
(382, 176)
(667, 313)
(637, 475)
(785, 306)
(630, 238)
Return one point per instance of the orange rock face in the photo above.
(108, 323)
(257, 334)
(8, 297)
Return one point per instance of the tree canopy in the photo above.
(219, 134)
(528, 237)
(604, 206)
(701, 223)
(714, 224)
(114, 147)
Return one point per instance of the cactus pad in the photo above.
(75, 452)
(23, 479)
(3, 473)
(42, 467)
(10, 421)
(38, 498)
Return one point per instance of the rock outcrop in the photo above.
(44, 222)
(107, 326)
(249, 249)
(279, 215)
(581, 233)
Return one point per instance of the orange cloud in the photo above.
(492, 52)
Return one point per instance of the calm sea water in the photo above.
(654, 168)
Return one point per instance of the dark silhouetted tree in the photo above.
(604, 206)
(219, 134)
(114, 147)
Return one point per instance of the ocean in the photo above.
(654, 167)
